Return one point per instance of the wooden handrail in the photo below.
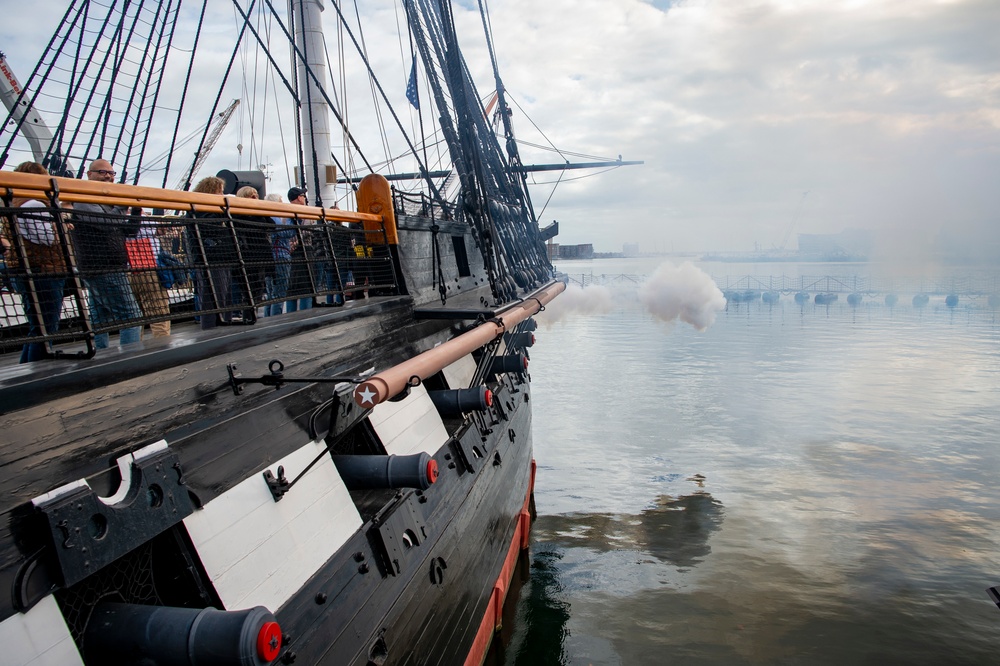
(71, 190)
(384, 385)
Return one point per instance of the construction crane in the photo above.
(221, 121)
(29, 122)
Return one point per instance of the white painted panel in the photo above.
(39, 637)
(459, 374)
(409, 426)
(259, 552)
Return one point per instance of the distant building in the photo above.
(630, 250)
(557, 251)
(848, 244)
(584, 251)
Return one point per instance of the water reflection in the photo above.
(648, 589)
(674, 531)
(850, 510)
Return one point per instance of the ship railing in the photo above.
(421, 205)
(85, 258)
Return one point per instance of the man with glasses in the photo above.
(99, 235)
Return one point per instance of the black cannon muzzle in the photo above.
(168, 636)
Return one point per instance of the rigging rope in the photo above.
(371, 73)
(159, 83)
(187, 80)
(371, 85)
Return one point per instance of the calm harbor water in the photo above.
(795, 485)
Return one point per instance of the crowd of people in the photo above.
(127, 263)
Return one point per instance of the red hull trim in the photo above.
(493, 618)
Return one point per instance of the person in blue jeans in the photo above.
(42, 296)
(99, 232)
(300, 279)
(283, 241)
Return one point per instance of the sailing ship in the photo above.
(346, 484)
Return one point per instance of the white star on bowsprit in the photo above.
(366, 395)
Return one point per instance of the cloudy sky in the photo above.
(757, 120)
(886, 112)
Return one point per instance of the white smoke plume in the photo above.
(682, 292)
(577, 300)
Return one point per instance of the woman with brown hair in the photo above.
(44, 252)
(255, 248)
(213, 279)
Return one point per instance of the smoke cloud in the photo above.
(682, 292)
(577, 300)
(672, 292)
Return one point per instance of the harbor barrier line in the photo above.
(388, 383)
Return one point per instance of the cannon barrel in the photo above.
(509, 363)
(521, 340)
(363, 472)
(456, 401)
(168, 636)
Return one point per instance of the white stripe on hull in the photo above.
(39, 637)
(459, 374)
(409, 426)
(259, 552)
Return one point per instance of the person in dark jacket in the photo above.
(255, 249)
(304, 274)
(283, 241)
(300, 281)
(214, 277)
(99, 233)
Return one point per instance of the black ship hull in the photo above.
(351, 576)
(346, 484)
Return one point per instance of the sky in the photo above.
(756, 120)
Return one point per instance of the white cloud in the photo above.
(887, 112)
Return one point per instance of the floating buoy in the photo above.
(802, 297)
(920, 300)
(825, 299)
(891, 300)
(951, 301)
(750, 296)
(771, 297)
(854, 299)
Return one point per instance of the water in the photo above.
(796, 485)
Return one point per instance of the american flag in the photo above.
(411, 87)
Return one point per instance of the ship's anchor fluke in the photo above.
(277, 378)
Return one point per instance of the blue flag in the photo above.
(411, 87)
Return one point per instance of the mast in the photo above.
(320, 175)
